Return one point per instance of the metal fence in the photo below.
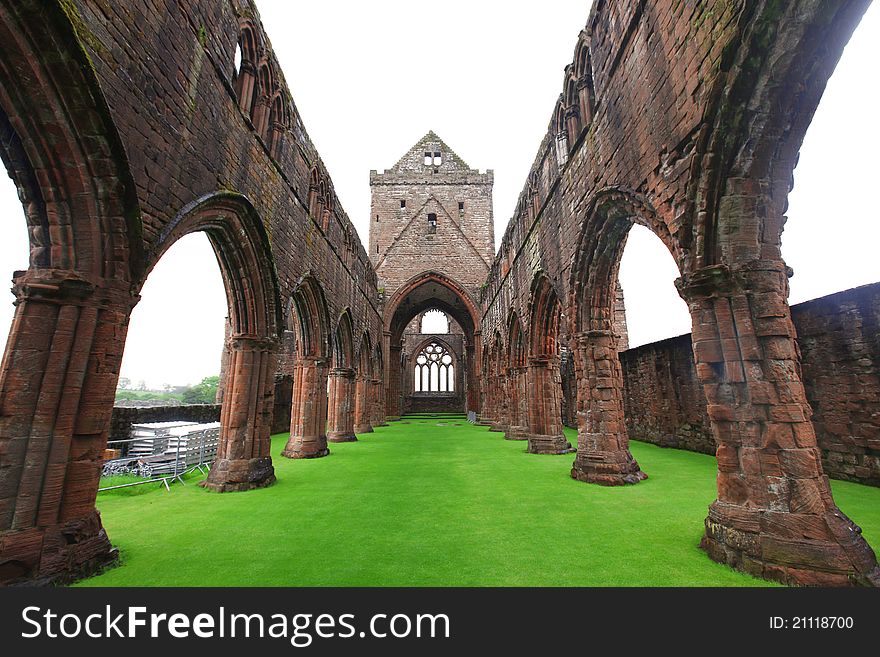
(162, 452)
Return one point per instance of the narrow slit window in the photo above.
(403, 204)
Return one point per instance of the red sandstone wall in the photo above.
(167, 72)
(839, 337)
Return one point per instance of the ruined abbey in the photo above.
(126, 126)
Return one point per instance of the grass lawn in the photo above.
(433, 502)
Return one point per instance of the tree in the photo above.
(124, 383)
(204, 392)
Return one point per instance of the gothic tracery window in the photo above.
(434, 370)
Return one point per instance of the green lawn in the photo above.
(434, 502)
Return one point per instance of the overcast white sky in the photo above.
(371, 78)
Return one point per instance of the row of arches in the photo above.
(260, 95)
(336, 381)
(717, 201)
(92, 248)
(522, 379)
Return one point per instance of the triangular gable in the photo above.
(414, 159)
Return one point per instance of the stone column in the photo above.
(487, 410)
(377, 408)
(243, 461)
(603, 455)
(545, 433)
(57, 385)
(392, 398)
(340, 406)
(499, 387)
(362, 405)
(308, 418)
(774, 516)
(517, 427)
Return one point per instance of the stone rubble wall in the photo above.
(839, 338)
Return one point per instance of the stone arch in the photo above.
(775, 515)
(573, 119)
(495, 409)
(758, 116)
(343, 341)
(603, 445)
(561, 132)
(266, 87)
(362, 404)
(310, 317)
(544, 380)
(431, 290)
(245, 82)
(240, 242)
(308, 418)
(341, 394)
(60, 368)
(583, 75)
(279, 122)
(466, 315)
(515, 359)
(377, 418)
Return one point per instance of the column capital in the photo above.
(342, 372)
(586, 338)
(68, 287)
(722, 280)
(247, 342)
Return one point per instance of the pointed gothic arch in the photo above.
(308, 417)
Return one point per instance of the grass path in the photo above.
(434, 502)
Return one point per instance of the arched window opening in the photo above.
(434, 370)
(837, 155)
(236, 60)
(244, 69)
(186, 315)
(14, 249)
(277, 124)
(435, 322)
(654, 310)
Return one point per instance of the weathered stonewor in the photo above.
(496, 400)
(431, 242)
(517, 428)
(362, 405)
(243, 461)
(545, 415)
(377, 408)
(839, 340)
(56, 396)
(393, 392)
(504, 404)
(774, 516)
(308, 422)
(603, 455)
(340, 421)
